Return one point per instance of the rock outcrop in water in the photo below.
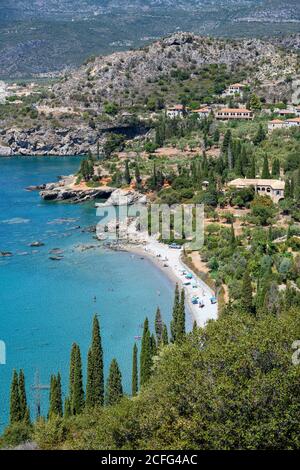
(65, 190)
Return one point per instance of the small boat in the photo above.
(189, 276)
(187, 283)
(213, 300)
(195, 300)
(138, 337)
(201, 304)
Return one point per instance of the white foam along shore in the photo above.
(169, 260)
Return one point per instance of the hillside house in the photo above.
(234, 113)
(234, 89)
(177, 111)
(264, 187)
(276, 124)
(202, 112)
(284, 112)
(293, 122)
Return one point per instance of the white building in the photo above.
(234, 113)
(284, 112)
(202, 112)
(177, 111)
(234, 89)
(264, 187)
(297, 111)
(293, 122)
(276, 124)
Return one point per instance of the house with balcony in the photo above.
(234, 89)
(293, 122)
(276, 124)
(177, 111)
(264, 187)
(202, 112)
(226, 114)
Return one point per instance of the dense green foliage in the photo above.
(230, 386)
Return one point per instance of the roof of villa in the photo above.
(274, 184)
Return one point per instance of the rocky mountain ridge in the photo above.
(66, 32)
(112, 93)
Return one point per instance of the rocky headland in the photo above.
(66, 189)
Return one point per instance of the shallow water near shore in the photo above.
(45, 304)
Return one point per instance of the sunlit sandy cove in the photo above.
(169, 259)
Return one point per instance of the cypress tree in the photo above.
(232, 236)
(195, 326)
(180, 326)
(216, 136)
(246, 293)
(265, 171)
(137, 174)
(260, 136)
(59, 403)
(72, 372)
(226, 141)
(15, 406)
(134, 384)
(67, 408)
(153, 346)
(77, 402)
(114, 389)
(95, 376)
(56, 408)
(176, 306)
(127, 173)
(252, 169)
(275, 168)
(158, 326)
(24, 410)
(165, 336)
(146, 354)
(52, 396)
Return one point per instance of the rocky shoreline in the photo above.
(65, 190)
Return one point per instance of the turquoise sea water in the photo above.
(45, 305)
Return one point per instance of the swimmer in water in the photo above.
(95, 298)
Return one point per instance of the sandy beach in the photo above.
(169, 260)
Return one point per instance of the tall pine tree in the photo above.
(176, 307)
(180, 325)
(146, 354)
(158, 326)
(15, 407)
(77, 402)
(246, 293)
(95, 376)
(114, 389)
(24, 410)
(265, 170)
(134, 383)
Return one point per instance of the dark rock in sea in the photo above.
(5, 253)
(36, 244)
(84, 247)
(38, 187)
(56, 251)
(90, 229)
(56, 258)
